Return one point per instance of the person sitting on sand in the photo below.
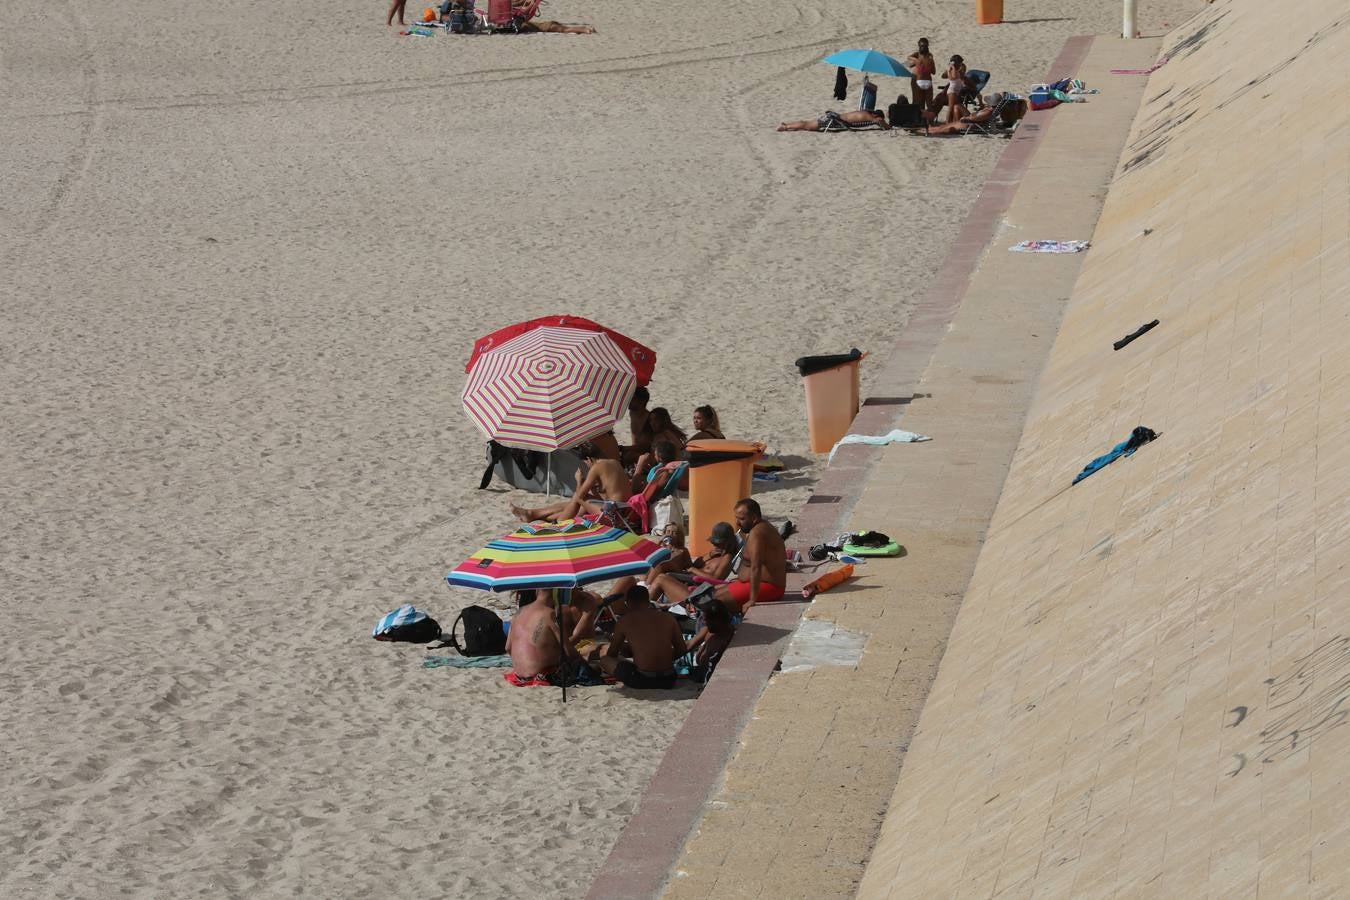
(638, 427)
(712, 637)
(672, 538)
(1009, 115)
(653, 639)
(763, 574)
(532, 640)
(833, 121)
(661, 430)
(706, 425)
(605, 480)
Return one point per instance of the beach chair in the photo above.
(976, 79)
(995, 126)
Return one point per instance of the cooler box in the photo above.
(988, 12)
(720, 473)
(831, 396)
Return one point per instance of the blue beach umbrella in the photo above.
(868, 61)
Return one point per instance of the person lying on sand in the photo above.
(653, 638)
(605, 480)
(833, 121)
(551, 27)
(763, 575)
(1008, 115)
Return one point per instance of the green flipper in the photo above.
(891, 549)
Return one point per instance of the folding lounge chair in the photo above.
(995, 126)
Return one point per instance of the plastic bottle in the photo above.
(827, 581)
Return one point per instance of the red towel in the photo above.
(533, 681)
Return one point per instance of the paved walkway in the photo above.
(800, 803)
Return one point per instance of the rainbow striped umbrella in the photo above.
(550, 388)
(565, 554)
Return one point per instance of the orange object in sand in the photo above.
(828, 580)
(428, 15)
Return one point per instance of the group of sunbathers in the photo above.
(460, 16)
(746, 565)
(953, 97)
(642, 629)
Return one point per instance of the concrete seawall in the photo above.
(1145, 684)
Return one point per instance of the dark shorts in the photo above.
(633, 677)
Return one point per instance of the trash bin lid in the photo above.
(810, 365)
(707, 452)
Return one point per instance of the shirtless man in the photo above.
(532, 640)
(833, 121)
(653, 638)
(763, 574)
(605, 480)
(638, 427)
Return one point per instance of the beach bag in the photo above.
(664, 511)
(407, 623)
(904, 114)
(483, 632)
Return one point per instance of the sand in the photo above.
(245, 253)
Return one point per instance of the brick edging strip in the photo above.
(640, 863)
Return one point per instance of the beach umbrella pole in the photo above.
(563, 596)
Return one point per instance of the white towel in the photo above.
(895, 437)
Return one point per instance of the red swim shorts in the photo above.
(740, 592)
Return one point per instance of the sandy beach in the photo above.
(245, 254)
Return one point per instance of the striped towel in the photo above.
(404, 615)
(467, 662)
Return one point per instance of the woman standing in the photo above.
(395, 7)
(922, 69)
(956, 72)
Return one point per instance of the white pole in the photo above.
(1130, 29)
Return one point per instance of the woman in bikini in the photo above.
(956, 73)
(706, 425)
(923, 68)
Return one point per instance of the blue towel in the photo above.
(1138, 438)
(404, 615)
(467, 662)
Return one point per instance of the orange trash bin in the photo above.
(831, 396)
(988, 12)
(720, 473)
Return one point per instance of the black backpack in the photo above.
(483, 632)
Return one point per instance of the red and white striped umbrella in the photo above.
(550, 388)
